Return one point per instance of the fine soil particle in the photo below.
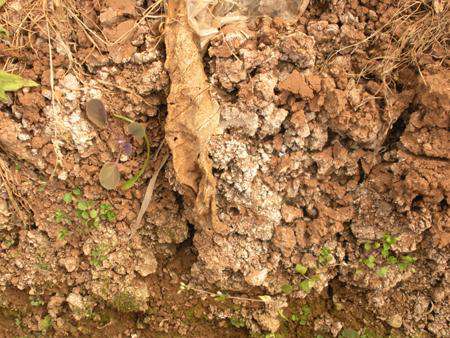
(331, 175)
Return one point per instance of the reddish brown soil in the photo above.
(320, 162)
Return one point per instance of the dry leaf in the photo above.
(109, 176)
(193, 117)
(96, 113)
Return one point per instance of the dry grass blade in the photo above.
(10, 184)
(415, 29)
(148, 195)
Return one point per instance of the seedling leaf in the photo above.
(82, 205)
(287, 289)
(137, 130)
(307, 285)
(383, 271)
(301, 269)
(12, 82)
(67, 197)
(96, 113)
(2, 2)
(109, 176)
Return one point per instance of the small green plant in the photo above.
(303, 316)
(109, 175)
(87, 212)
(106, 212)
(301, 269)
(62, 234)
(98, 255)
(36, 302)
(405, 262)
(307, 284)
(45, 324)
(383, 271)
(67, 198)
(125, 302)
(237, 322)
(325, 256)
(59, 216)
(369, 262)
(287, 289)
(388, 241)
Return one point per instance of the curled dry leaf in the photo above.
(109, 176)
(137, 130)
(96, 113)
(192, 118)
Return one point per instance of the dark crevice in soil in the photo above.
(393, 136)
(187, 244)
(362, 174)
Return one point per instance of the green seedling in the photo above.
(77, 192)
(325, 256)
(367, 247)
(388, 241)
(287, 289)
(98, 255)
(43, 266)
(301, 269)
(62, 234)
(237, 322)
(109, 175)
(405, 262)
(3, 32)
(303, 317)
(369, 262)
(82, 205)
(59, 216)
(106, 212)
(45, 324)
(37, 302)
(67, 198)
(383, 271)
(307, 285)
(392, 260)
